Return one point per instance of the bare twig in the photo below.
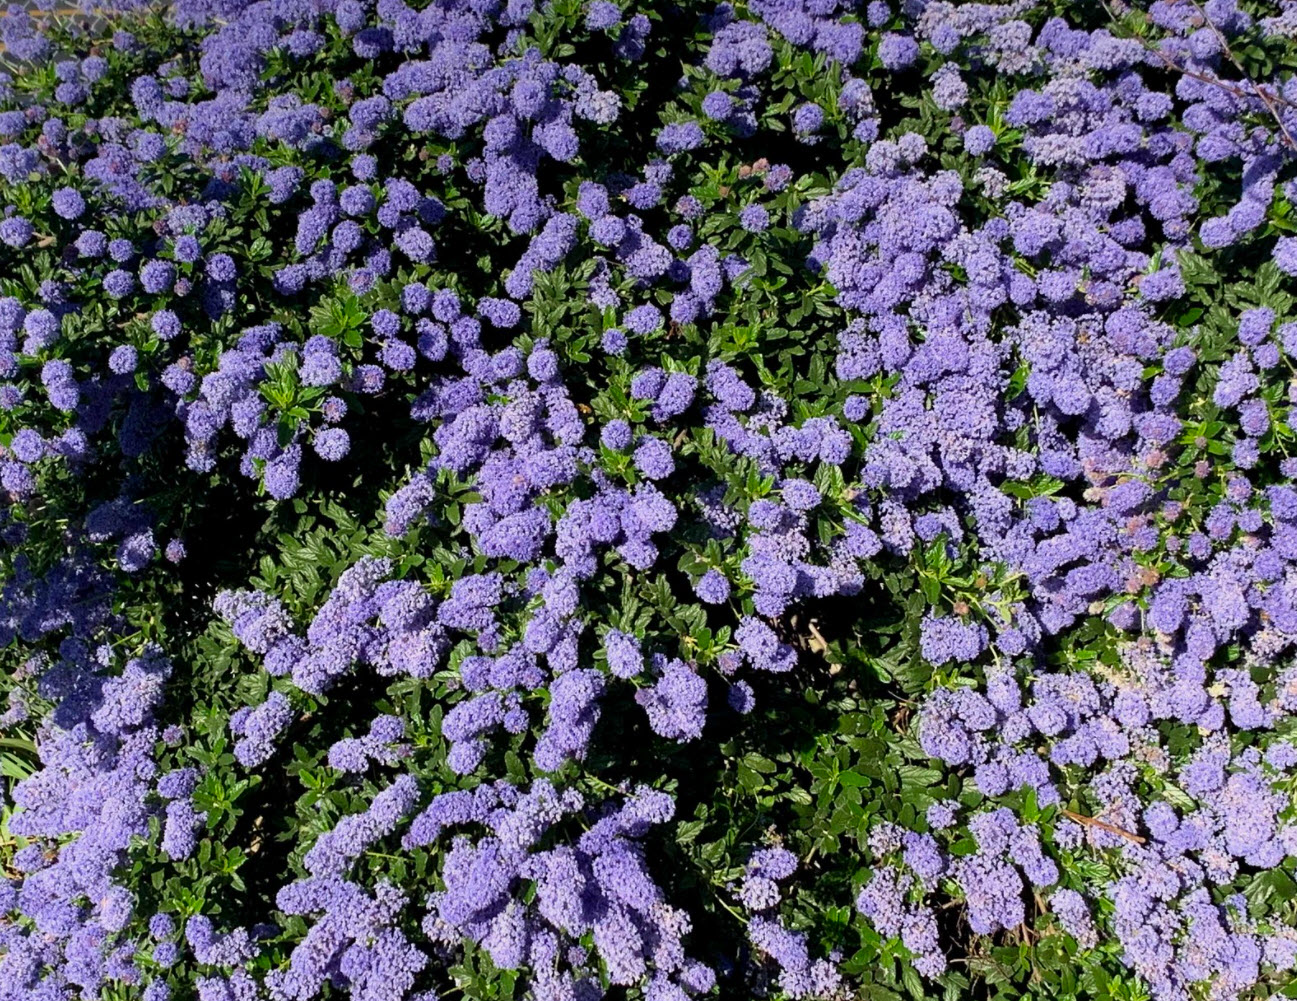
(1103, 825)
(1229, 87)
(1257, 88)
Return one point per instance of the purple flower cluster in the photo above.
(799, 975)
(593, 888)
(676, 703)
(883, 901)
(408, 637)
(98, 779)
(381, 744)
(1232, 816)
(354, 936)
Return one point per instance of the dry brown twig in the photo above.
(1103, 825)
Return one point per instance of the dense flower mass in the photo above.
(565, 499)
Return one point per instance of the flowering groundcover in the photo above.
(789, 499)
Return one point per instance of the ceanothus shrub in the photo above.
(560, 500)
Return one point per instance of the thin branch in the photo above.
(1237, 90)
(1103, 825)
(1256, 87)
